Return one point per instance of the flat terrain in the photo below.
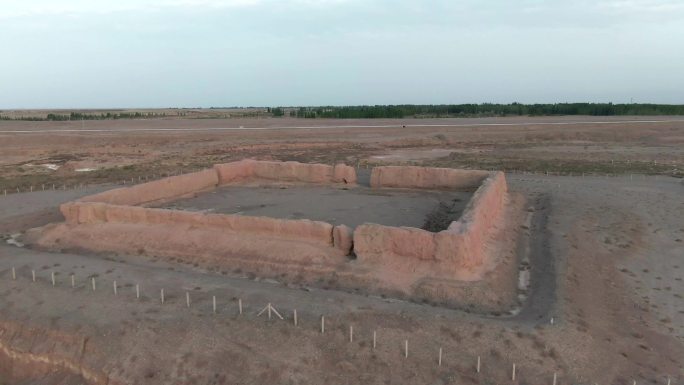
(351, 207)
(605, 303)
(36, 153)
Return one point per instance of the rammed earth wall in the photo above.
(401, 260)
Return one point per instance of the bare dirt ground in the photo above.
(606, 258)
(338, 206)
(124, 149)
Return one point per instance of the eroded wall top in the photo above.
(426, 177)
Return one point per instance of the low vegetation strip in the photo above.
(384, 111)
(483, 110)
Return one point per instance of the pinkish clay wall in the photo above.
(235, 172)
(460, 247)
(167, 188)
(293, 171)
(343, 238)
(119, 205)
(344, 174)
(303, 230)
(426, 177)
(221, 174)
(248, 169)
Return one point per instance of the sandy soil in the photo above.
(122, 149)
(606, 265)
(598, 323)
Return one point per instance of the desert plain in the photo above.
(600, 265)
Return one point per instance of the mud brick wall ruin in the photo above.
(448, 252)
(402, 260)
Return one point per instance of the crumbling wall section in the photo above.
(426, 177)
(246, 170)
(222, 174)
(123, 205)
(78, 213)
(464, 242)
(459, 248)
(235, 172)
(158, 190)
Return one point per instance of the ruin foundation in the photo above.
(473, 263)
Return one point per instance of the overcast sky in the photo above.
(191, 53)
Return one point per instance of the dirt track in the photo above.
(606, 260)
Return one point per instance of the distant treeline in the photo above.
(400, 111)
(81, 116)
(479, 110)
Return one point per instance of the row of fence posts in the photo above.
(360, 165)
(64, 187)
(46, 187)
(272, 312)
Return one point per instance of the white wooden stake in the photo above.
(478, 364)
(375, 337)
(351, 333)
(14, 274)
(271, 310)
(276, 312)
(92, 281)
(295, 317)
(73, 282)
(33, 275)
(555, 377)
(322, 324)
(240, 306)
(439, 361)
(213, 300)
(137, 291)
(405, 348)
(52, 277)
(187, 298)
(115, 291)
(668, 381)
(161, 294)
(513, 373)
